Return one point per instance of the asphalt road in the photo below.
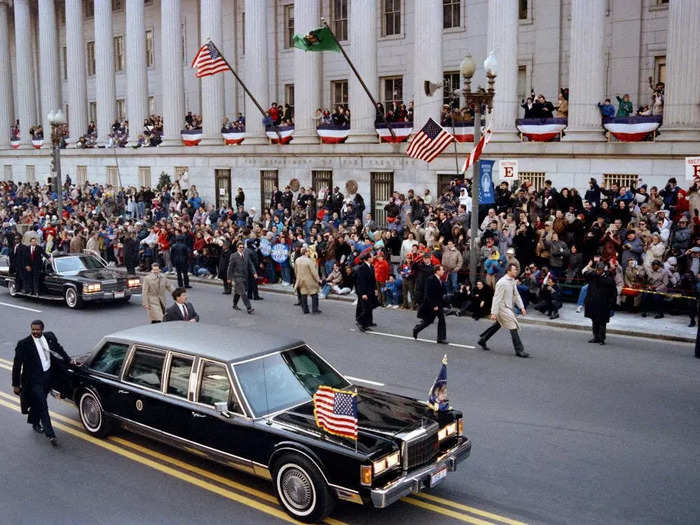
(578, 434)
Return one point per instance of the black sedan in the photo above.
(245, 399)
(78, 278)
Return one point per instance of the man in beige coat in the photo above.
(307, 281)
(155, 284)
(505, 297)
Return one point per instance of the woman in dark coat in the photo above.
(482, 295)
(131, 253)
(600, 299)
(223, 266)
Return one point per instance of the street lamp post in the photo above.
(478, 98)
(57, 119)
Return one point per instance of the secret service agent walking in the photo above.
(31, 376)
(239, 265)
(366, 289)
(155, 284)
(432, 306)
(505, 297)
(600, 299)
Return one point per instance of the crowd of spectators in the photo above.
(648, 238)
(537, 106)
(278, 115)
(396, 111)
(233, 126)
(339, 117)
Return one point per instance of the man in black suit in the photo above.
(17, 254)
(31, 376)
(239, 268)
(366, 289)
(181, 310)
(180, 257)
(432, 306)
(33, 259)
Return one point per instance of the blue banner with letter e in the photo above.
(486, 195)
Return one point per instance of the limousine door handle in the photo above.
(197, 414)
(123, 391)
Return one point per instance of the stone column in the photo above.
(136, 78)
(48, 63)
(427, 53)
(307, 74)
(105, 89)
(77, 88)
(503, 41)
(6, 113)
(363, 40)
(256, 67)
(171, 69)
(213, 86)
(26, 106)
(682, 91)
(586, 70)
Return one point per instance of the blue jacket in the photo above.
(607, 110)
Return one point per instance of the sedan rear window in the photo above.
(146, 369)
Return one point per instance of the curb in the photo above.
(536, 322)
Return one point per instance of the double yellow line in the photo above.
(217, 484)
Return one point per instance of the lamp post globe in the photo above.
(467, 67)
(491, 64)
(52, 117)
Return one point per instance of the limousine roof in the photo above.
(215, 342)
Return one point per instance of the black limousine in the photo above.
(79, 278)
(244, 399)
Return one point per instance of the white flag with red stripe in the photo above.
(476, 152)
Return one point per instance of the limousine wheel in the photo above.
(12, 288)
(73, 300)
(92, 416)
(301, 489)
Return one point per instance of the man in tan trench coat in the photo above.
(307, 281)
(155, 284)
(505, 297)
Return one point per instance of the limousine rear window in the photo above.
(110, 358)
(283, 380)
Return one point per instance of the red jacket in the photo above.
(381, 270)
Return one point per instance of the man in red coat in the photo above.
(381, 274)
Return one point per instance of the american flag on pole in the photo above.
(429, 142)
(208, 61)
(336, 411)
(476, 152)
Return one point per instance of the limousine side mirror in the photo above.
(222, 408)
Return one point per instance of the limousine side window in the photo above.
(179, 378)
(215, 386)
(146, 369)
(110, 358)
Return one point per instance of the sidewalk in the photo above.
(670, 328)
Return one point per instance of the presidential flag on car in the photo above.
(437, 396)
(335, 411)
(429, 142)
(476, 152)
(208, 61)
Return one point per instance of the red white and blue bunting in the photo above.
(191, 137)
(37, 143)
(332, 134)
(540, 129)
(402, 130)
(14, 143)
(233, 137)
(286, 132)
(632, 129)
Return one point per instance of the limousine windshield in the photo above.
(74, 265)
(283, 380)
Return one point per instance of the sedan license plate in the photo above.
(119, 295)
(438, 476)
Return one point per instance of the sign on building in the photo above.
(507, 171)
(692, 169)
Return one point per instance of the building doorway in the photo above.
(223, 188)
(381, 188)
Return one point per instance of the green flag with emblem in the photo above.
(317, 40)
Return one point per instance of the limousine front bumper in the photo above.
(420, 479)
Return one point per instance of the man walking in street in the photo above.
(432, 306)
(239, 266)
(155, 284)
(505, 298)
(366, 289)
(600, 298)
(180, 257)
(182, 310)
(33, 259)
(307, 281)
(31, 376)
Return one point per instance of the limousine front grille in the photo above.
(422, 450)
(113, 286)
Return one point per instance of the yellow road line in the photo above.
(446, 512)
(467, 508)
(168, 470)
(6, 361)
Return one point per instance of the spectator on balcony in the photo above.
(625, 108)
(268, 121)
(288, 114)
(562, 106)
(529, 107)
(338, 118)
(607, 109)
(543, 108)
(657, 98)
(275, 113)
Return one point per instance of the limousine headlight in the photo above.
(92, 288)
(447, 431)
(133, 283)
(386, 463)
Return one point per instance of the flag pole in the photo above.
(357, 74)
(245, 88)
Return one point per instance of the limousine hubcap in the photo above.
(91, 413)
(71, 297)
(297, 488)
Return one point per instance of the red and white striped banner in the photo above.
(233, 137)
(14, 143)
(331, 134)
(541, 130)
(631, 129)
(402, 130)
(286, 132)
(476, 152)
(191, 137)
(37, 143)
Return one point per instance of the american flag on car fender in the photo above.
(429, 142)
(208, 61)
(335, 411)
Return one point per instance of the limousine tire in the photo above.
(73, 299)
(301, 489)
(12, 288)
(91, 414)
